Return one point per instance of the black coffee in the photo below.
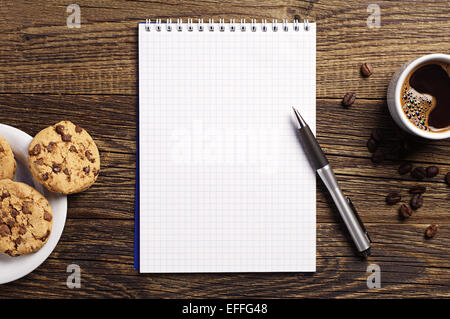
(425, 96)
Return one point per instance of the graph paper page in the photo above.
(224, 185)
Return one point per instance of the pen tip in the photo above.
(300, 120)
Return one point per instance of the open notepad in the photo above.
(223, 184)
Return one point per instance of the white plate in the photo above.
(12, 268)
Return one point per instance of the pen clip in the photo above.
(358, 218)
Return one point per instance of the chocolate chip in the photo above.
(18, 241)
(11, 223)
(13, 212)
(432, 171)
(59, 129)
(45, 236)
(35, 150)
(66, 171)
(366, 69)
(5, 194)
(95, 171)
(44, 176)
(78, 129)
(417, 189)
(4, 230)
(405, 168)
(447, 178)
(87, 169)
(349, 99)
(66, 137)
(39, 161)
(47, 216)
(372, 145)
(22, 230)
(2, 149)
(378, 156)
(418, 172)
(51, 146)
(405, 211)
(416, 201)
(431, 231)
(73, 149)
(89, 156)
(26, 208)
(393, 198)
(56, 168)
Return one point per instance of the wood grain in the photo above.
(89, 75)
(42, 55)
(103, 249)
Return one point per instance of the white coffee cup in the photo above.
(393, 97)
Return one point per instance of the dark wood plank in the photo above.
(39, 54)
(42, 55)
(112, 123)
(104, 251)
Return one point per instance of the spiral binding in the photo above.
(158, 25)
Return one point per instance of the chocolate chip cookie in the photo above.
(25, 219)
(7, 162)
(64, 158)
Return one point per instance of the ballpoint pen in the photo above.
(346, 209)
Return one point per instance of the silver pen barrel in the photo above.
(346, 210)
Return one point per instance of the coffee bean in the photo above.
(405, 211)
(366, 69)
(377, 135)
(404, 147)
(431, 231)
(349, 99)
(378, 156)
(417, 189)
(393, 198)
(405, 168)
(416, 201)
(372, 145)
(432, 171)
(447, 178)
(418, 173)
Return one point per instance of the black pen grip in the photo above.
(312, 148)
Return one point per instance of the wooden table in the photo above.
(49, 72)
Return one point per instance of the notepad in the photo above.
(223, 183)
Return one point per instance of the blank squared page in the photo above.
(224, 183)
